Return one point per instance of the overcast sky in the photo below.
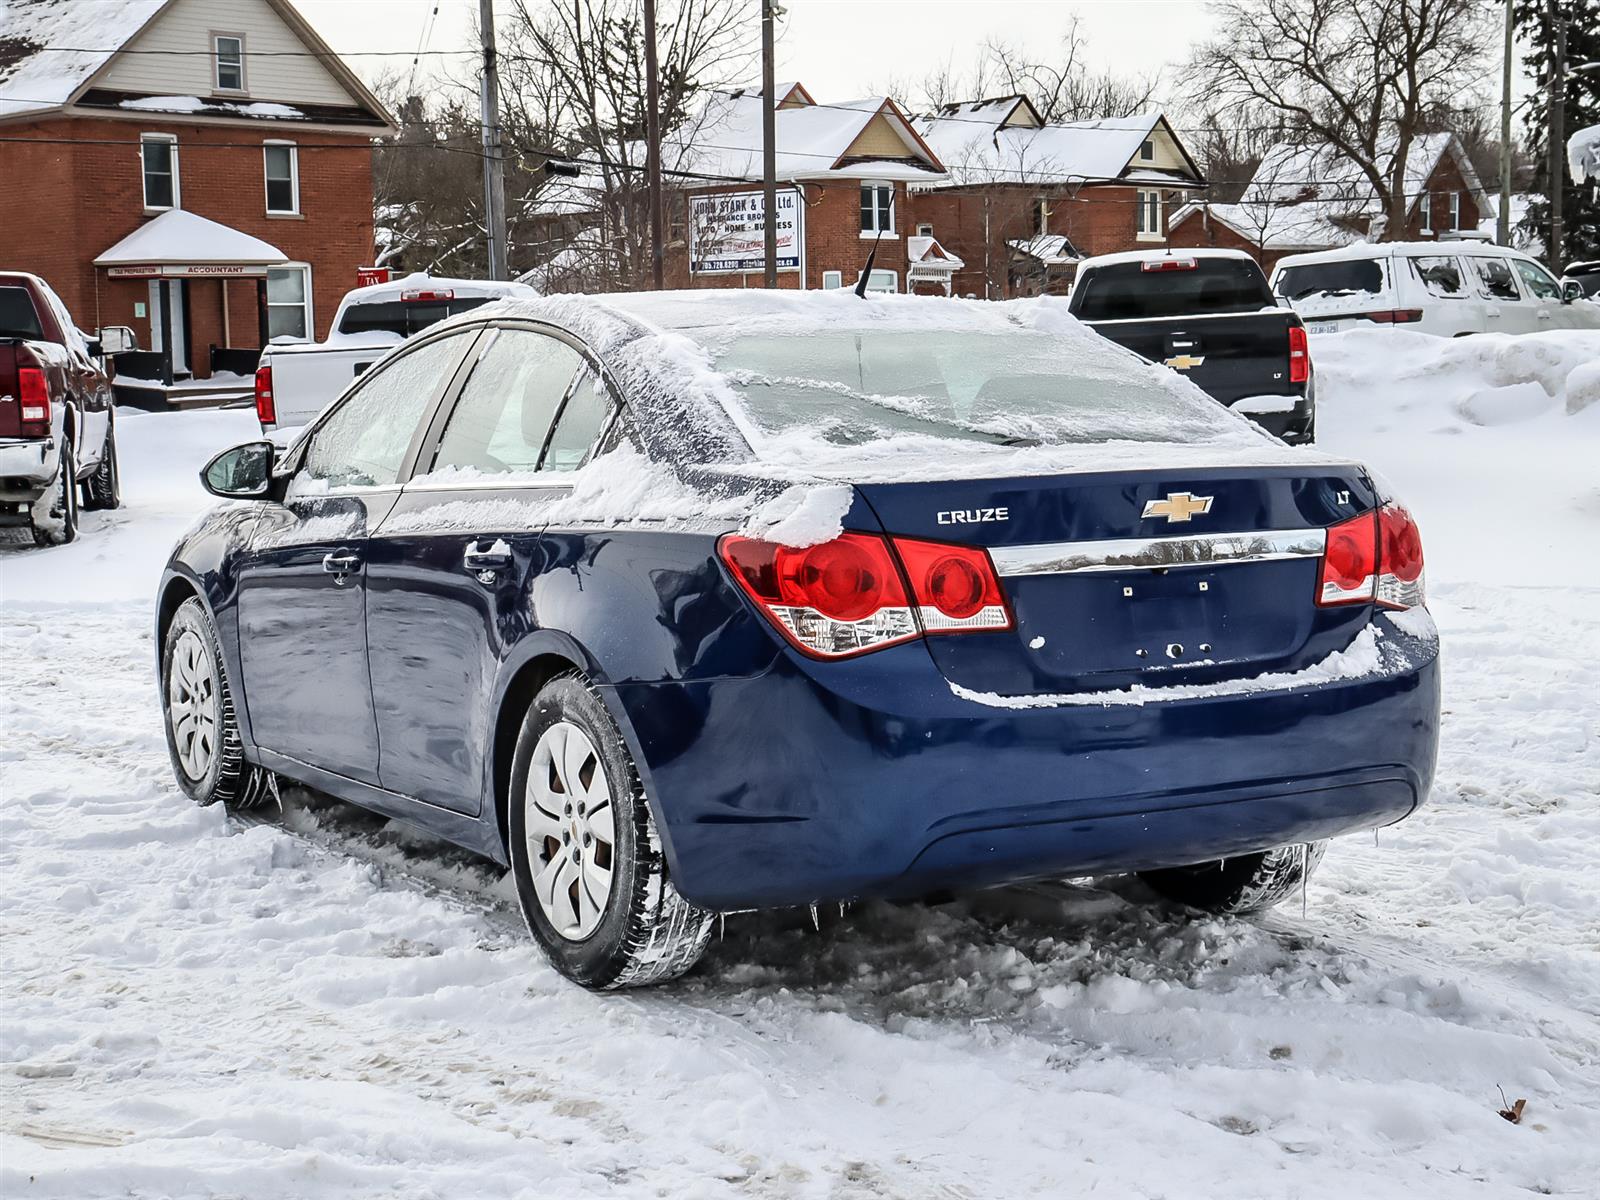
(838, 48)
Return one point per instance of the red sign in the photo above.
(367, 276)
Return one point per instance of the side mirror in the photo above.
(1571, 290)
(243, 473)
(117, 339)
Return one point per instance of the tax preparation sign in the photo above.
(726, 232)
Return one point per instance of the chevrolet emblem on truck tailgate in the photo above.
(1182, 362)
(1178, 507)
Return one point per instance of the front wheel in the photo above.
(55, 514)
(589, 871)
(104, 488)
(1245, 884)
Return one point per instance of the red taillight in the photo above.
(33, 402)
(1376, 556)
(1395, 316)
(1299, 355)
(1350, 562)
(1169, 264)
(840, 598)
(266, 406)
(1400, 579)
(956, 588)
(421, 295)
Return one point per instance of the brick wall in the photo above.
(64, 204)
(1200, 232)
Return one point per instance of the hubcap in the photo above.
(571, 830)
(192, 704)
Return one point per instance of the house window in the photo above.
(1148, 217)
(158, 156)
(230, 62)
(832, 279)
(877, 208)
(924, 230)
(283, 177)
(1147, 150)
(1455, 210)
(882, 281)
(289, 301)
(1427, 212)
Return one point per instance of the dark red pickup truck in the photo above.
(57, 421)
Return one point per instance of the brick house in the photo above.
(218, 142)
(1023, 201)
(1309, 198)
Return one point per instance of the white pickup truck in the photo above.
(296, 380)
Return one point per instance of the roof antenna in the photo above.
(866, 272)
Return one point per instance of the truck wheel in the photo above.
(197, 707)
(585, 857)
(104, 488)
(55, 514)
(1246, 884)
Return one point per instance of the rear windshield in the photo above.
(404, 317)
(17, 316)
(1021, 388)
(1126, 291)
(1347, 277)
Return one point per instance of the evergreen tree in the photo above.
(1580, 211)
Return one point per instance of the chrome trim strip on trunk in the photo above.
(1134, 554)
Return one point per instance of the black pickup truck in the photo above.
(1210, 315)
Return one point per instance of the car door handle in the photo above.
(486, 558)
(339, 564)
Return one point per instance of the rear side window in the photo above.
(502, 420)
(17, 315)
(1494, 279)
(364, 440)
(1441, 276)
(1537, 280)
(405, 317)
(1126, 291)
(1345, 277)
(579, 425)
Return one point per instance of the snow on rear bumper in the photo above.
(27, 466)
(780, 790)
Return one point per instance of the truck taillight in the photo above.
(1376, 556)
(1396, 316)
(423, 295)
(33, 402)
(266, 407)
(1299, 355)
(1169, 264)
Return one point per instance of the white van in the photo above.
(1446, 288)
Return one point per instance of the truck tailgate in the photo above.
(1229, 356)
(10, 404)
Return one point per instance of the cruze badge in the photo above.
(974, 516)
(1178, 507)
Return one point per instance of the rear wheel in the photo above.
(589, 871)
(1245, 884)
(55, 514)
(202, 732)
(104, 488)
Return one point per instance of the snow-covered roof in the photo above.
(1051, 249)
(924, 253)
(50, 48)
(179, 238)
(1583, 154)
(1320, 175)
(994, 142)
(814, 141)
(1279, 226)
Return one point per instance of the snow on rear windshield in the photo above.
(1017, 388)
(1345, 277)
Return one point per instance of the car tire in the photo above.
(55, 514)
(199, 718)
(103, 491)
(1245, 884)
(589, 871)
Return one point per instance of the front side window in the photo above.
(877, 208)
(158, 158)
(1148, 219)
(1441, 275)
(230, 62)
(364, 440)
(1495, 280)
(289, 301)
(283, 177)
(502, 420)
(1537, 280)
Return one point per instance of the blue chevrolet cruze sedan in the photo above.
(681, 604)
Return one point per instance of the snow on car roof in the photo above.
(422, 281)
(1367, 250)
(1140, 256)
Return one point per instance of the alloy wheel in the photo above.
(571, 830)
(192, 704)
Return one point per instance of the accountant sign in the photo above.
(727, 234)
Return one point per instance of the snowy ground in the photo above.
(322, 1005)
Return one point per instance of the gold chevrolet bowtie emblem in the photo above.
(1178, 507)
(1182, 362)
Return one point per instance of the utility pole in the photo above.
(1503, 226)
(769, 148)
(494, 163)
(1557, 132)
(652, 133)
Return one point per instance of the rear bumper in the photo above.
(1296, 425)
(27, 468)
(779, 789)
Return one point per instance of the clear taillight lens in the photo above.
(1376, 556)
(1401, 583)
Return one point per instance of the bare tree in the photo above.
(1363, 78)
